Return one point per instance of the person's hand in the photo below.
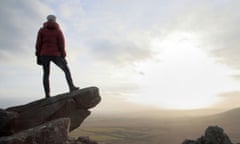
(39, 60)
(63, 55)
(36, 54)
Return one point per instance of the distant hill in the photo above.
(231, 116)
(229, 120)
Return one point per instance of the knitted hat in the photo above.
(51, 18)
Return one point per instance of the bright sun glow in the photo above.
(183, 77)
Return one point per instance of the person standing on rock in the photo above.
(50, 46)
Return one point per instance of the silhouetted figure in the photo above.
(50, 46)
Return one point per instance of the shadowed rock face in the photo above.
(53, 132)
(73, 105)
(6, 118)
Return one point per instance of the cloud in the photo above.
(122, 52)
(216, 23)
(20, 21)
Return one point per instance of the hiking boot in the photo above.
(74, 88)
(47, 94)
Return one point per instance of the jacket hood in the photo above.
(50, 25)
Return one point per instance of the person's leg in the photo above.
(61, 63)
(45, 62)
(46, 72)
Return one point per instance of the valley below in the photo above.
(154, 128)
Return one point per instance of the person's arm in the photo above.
(38, 43)
(61, 44)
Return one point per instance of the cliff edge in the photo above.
(58, 114)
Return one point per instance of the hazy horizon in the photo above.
(143, 55)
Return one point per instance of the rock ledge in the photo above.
(72, 105)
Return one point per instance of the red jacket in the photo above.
(50, 40)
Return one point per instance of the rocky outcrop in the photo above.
(53, 132)
(6, 118)
(72, 105)
(213, 135)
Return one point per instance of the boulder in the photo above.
(53, 132)
(73, 105)
(213, 135)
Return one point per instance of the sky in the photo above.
(142, 54)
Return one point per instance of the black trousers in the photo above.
(61, 63)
